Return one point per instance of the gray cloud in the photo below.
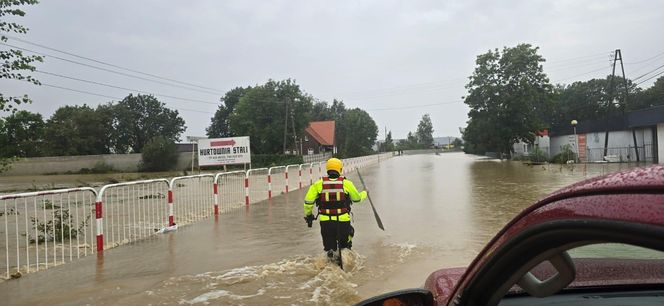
(371, 54)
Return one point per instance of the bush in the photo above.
(538, 156)
(565, 154)
(159, 154)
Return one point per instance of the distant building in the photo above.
(319, 137)
(639, 131)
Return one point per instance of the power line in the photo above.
(110, 64)
(414, 106)
(645, 60)
(123, 88)
(578, 57)
(111, 97)
(581, 74)
(647, 73)
(106, 70)
(639, 83)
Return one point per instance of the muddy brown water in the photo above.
(438, 211)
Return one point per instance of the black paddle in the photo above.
(380, 223)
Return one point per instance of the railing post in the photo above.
(299, 175)
(216, 196)
(100, 224)
(286, 178)
(311, 174)
(246, 188)
(269, 183)
(171, 218)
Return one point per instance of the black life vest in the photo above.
(333, 200)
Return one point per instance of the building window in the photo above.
(306, 138)
(310, 151)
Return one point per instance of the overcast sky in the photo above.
(377, 55)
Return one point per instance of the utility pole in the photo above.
(617, 56)
(285, 126)
(609, 103)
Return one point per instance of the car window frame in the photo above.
(504, 267)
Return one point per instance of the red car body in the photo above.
(631, 197)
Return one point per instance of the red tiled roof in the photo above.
(322, 132)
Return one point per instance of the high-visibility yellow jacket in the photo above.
(317, 187)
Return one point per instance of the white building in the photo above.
(639, 131)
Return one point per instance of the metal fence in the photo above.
(229, 191)
(276, 180)
(131, 211)
(621, 154)
(314, 158)
(192, 197)
(293, 176)
(257, 185)
(45, 229)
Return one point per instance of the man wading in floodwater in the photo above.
(333, 196)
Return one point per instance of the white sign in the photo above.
(223, 151)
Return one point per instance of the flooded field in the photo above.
(438, 211)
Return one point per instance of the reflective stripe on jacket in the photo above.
(332, 187)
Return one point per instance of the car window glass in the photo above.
(616, 251)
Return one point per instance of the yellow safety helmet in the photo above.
(334, 164)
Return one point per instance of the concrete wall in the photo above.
(62, 164)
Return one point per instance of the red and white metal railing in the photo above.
(229, 190)
(131, 211)
(256, 185)
(276, 180)
(46, 228)
(192, 197)
(291, 172)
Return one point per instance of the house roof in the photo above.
(322, 132)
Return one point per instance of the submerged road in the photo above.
(438, 211)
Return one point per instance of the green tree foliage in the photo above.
(140, 118)
(509, 97)
(653, 96)
(358, 132)
(410, 143)
(424, 132)
(77, 130)
(21, 135)
(590, 100)
(261, 114)
(457, 143)
(159, 154)
(220, 126)
(388, 144)
(14, 62)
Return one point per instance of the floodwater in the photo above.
(438, 211)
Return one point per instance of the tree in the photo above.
(21, 135)
(653, 96)
(77, 130)
(142, 117)
(358, 133)
(220, 126)
(388, 145)
(590, 100)
(410, 143)
(159, 154)
(261, 114)
(457, 143)
(509, 98)
(424, 132)
(14, 61)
